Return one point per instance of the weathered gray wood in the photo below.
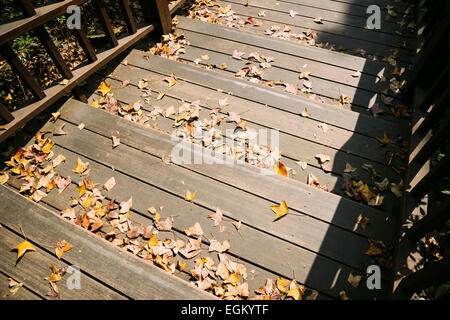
(353, 146)
(344, 17)
(22, 294)
(291, 148)
(319, 71)
(307, 22)
(186, 215)
(361, 98)
(93, 252)
(334, 58)
(167, 178)
(319, 204)
(35, 266)
(259, 93)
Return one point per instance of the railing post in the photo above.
(157, 11)
(5, 114)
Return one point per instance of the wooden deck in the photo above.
(319, 243)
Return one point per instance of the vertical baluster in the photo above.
(85, 44)
(79, 94)
(129, 19)
(47, 42)
(100, 4)
(5, 114)
(158, 11)
(20, 69)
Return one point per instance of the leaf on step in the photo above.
(22, 248)
(109, 184)
(81, 166)
(189, 196)
(58, 130)
(362, 221)
(318, 20)
(115, 141)
(61, 247)
(280, 169)
(216, 217)
(349, 168)
(171, 80)
(293, 13)
(280, 210)
(104, 88)
(219, 247)
(4, 177)
(295, 291)
(385, 140)
(165, 225)
(323, 158)
(305, 113)
(195, 230)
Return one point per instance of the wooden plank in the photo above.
(393, 41)
(242, 251)
(319, 71)
(333, 58)
(175, 6)
(292, 149)
(361, 99)
(34, 267)
(351, 8)
(432, 179)
(320, 10)
(259, 93)
(39, 225)
(56, 91)
(15, 63)
(309, 268)
(321, 205)
(44, 14)
(22, 294)
(303, 127)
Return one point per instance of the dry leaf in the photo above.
(22, 248)
(81, 166)
(280, 210)
(189, 196)
(280, 169)
(61, 247)
(195, 230)
(104, 88)
(109, 184)
(217, 217)
(354, 280)
(116, 141)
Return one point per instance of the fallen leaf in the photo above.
(216, 217)
(104, 88)
(81, 166)
(280, 210)
(116, 141)
(237, 224)
(195, 230)
(189, 196)
(61, 247)
(385, 140)
(22, 248)
(295, 291)
(354, 280)
(280, 169)
(4, 177)
(109, 184)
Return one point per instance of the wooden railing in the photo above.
(425, 207)
(157, 14)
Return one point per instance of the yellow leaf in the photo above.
(61, 247)
(81, 166)
(280, 210)
(153, 241)
(295, 291)
(104, 88)
(280, 169)
(4, 177)
(375, 248)
(55, 276)
(385, 140)
(55, 116)
(282, 284)
(232, 279)
(81, 189)
(354, 280)
(22, 248)
(189, 196)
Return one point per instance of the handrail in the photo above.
(158, 17)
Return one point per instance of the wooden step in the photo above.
(101, 260)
